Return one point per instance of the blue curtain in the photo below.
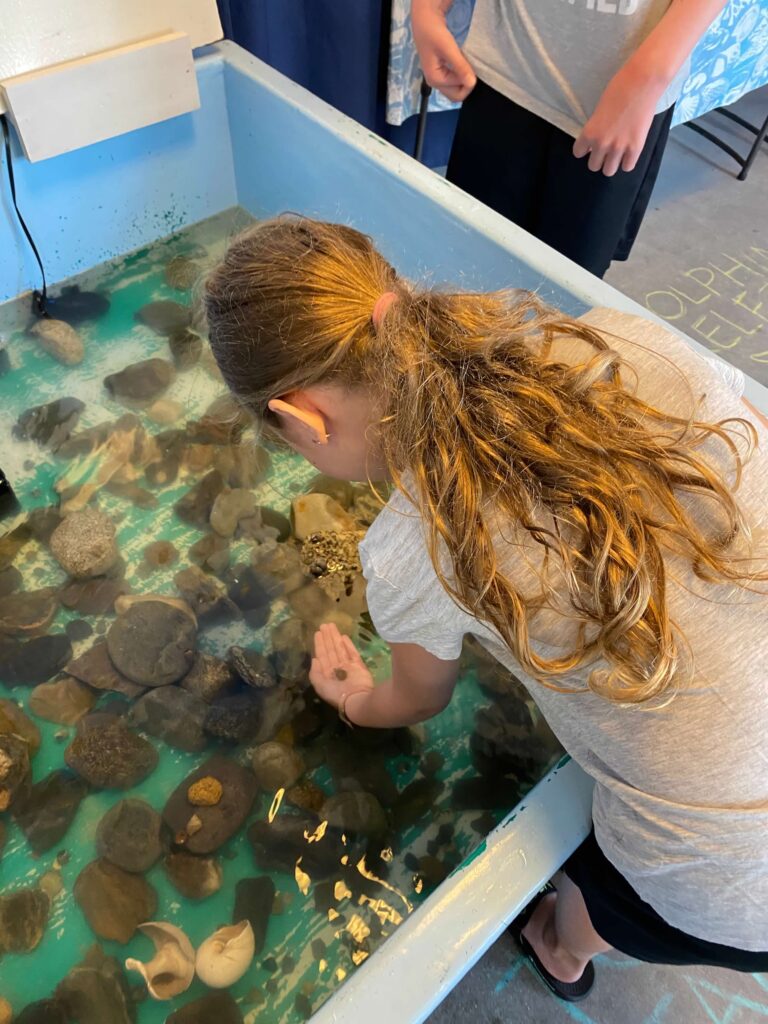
(338, 49)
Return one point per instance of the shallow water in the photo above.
(448, 804)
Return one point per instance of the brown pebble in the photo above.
(206, 792)
(340, 673)
(160, 553)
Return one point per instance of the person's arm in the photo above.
(615, 134)
(420, 687)
(444, 66)
(756, 412)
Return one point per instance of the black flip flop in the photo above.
(570, 991)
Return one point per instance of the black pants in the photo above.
(524, 168)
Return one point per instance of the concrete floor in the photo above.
(701, 260)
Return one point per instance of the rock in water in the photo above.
(14, 770)
(164, 316)
(95, 596)
(235, 719)
(253, 594)
(195, 506)
(159, 554)
(254, 898)
(59, 339)
(205, 595)
(43, 1011)
(209, 678)
(49, 424)
(84, 543)
(27, 613)
(318, 513)
(10, 580)
(110, 756)
(75, 306)
(140, 382)
(252, 667)
(96, 991)
(186, 348)
(181, 273)
(194, 877)
(230, 506)
(173, 715)
(152, 643)
(357, 812)
(114, 901)
(276, 766)
(33, 661)
(23, 915)
(129, 835)
(46, 813)
(218, 1007)
(63, 701)
(13, 720)
(220, 821)
(95, 668)
(278, 845)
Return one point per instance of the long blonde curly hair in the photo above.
(478, 425)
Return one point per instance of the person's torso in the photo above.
(555, 57)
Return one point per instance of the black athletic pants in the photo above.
(524, 168)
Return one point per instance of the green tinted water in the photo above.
(274, 990)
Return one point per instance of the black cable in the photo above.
(39, 299)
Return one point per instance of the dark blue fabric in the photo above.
(338, 49)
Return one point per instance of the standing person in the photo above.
(568, 499)
(567, 106)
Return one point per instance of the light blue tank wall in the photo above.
(90, 205)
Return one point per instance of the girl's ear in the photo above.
(309, 421)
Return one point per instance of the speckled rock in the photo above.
(141, 382)
(194, 877)
(209, 678)
(252, 667)
(59, 339)
(236, 719)
(153, 644)
(173, 715)
(84, 543)
(129, 835)
(96, 991)
(220, 821)
(276, 766)
(63, 701)
(115, 902)
(46, 813)
(23, 916)
(110, 756)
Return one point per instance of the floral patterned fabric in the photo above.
(730, 60)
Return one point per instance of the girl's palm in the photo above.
(337, 667)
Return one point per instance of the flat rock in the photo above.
(173, 715)
(115, 902)
(210, 678)
(10, 580)
(96, 991)
(23, 916)
(231, 505)
(59, 339)
(276, 766)
(63, 701)
(153, 644)
(49, 424)
(211, 553)
(206, 596)
(278, 845)
(194, 877)
(186, 347)
(254, 898)
(14, 720)
(78, 629)
(195, 506)
(84, 543)
(253, 593)
(29, 662)
(129, 835)
(216, 1006)
(236, 719)
(222, 820)
(95, 668)
(356, 812)
(93, 597)
(141, 382)
(164, 316)
(46, 813)
(44, 1011)
(110, 756)
(28, 613)
(252, 667)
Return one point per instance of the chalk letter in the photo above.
(740, 301)
(697, 273)
(731, 272)
(662, 308)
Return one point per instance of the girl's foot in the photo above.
(539, 932)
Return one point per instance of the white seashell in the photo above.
(224, 956)
(172, 968)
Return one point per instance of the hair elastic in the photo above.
(381, 306)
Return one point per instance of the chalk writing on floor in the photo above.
(723, 303)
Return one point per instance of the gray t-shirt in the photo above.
(680, 803)
(555, 57)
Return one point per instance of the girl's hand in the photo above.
(615, 134)
(337, 668)
(444, 66)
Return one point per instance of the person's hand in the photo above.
(615, 134)
(444, 66)
(337, 668)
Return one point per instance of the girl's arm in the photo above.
(420, 687)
